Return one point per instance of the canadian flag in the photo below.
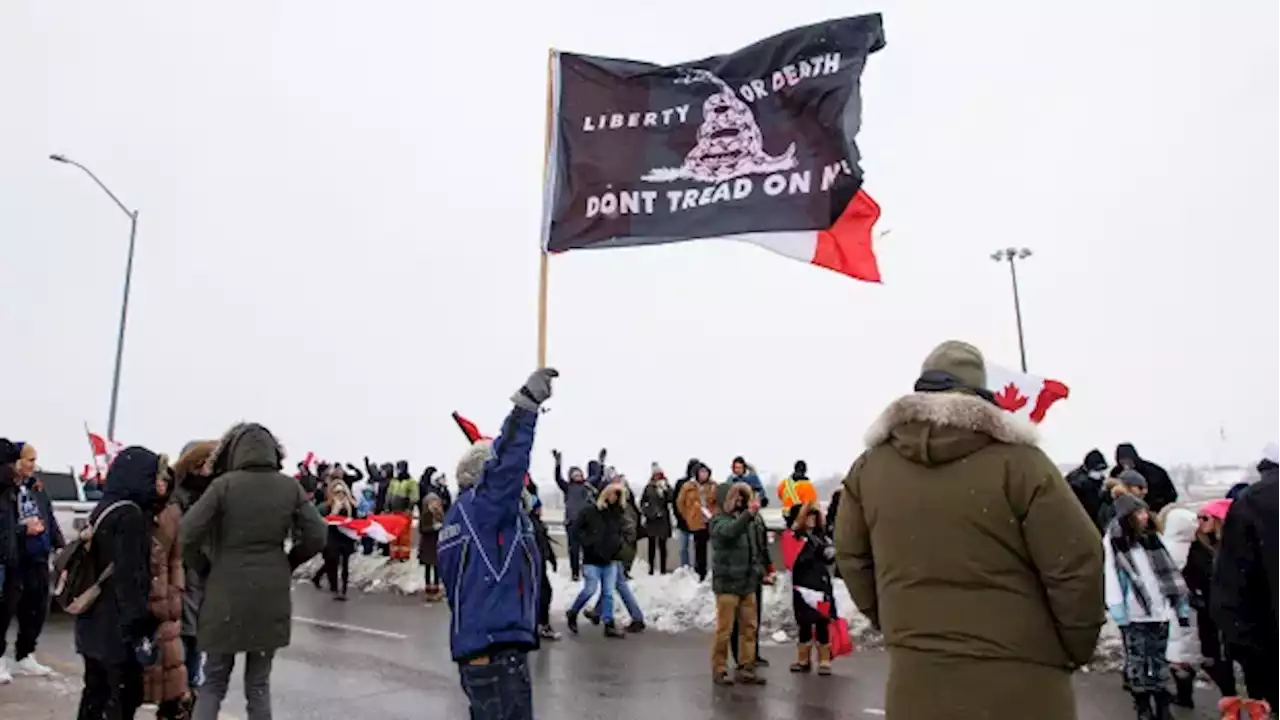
(104, 448)
(1029, 396)
(382, 528)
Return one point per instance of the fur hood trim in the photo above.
(611, 491)
(731, 496)
(230, 436)
(193, 458)
(955, 410)
(810, 507)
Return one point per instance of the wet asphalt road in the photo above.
(386, 656)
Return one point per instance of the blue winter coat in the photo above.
(754, 481)
(488, 554)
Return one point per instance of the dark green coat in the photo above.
(237, 531)
(738, 547)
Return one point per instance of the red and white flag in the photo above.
(1029, 396)
(382, 528)
(104, 448)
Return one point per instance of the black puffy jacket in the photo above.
(600, 532)
(1243, 599)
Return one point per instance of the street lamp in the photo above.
(124, 304)
(1012, 255)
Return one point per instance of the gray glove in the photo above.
(536, 389)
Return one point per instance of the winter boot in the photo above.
(824, 659)
(547, 633)
(722, 678)
(592, 615)
(746, 675)
(1161, 699)
(571, 620)
(1142, 703)
(636, 626)
(1186, 685)
(804, 651)
(761, 661)
(612, 631)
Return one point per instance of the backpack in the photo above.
(76, 587)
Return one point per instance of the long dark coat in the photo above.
(238, 530)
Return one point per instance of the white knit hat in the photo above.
(1271, 452)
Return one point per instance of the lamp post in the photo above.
(124, 303)
(1012, 255)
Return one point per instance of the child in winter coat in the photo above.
(1144, 593)
(430, 521)
(809, 553)
(547, 553)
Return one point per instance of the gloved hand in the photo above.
(536, 389)
(146, 652)
(829, 553)
(1184, 622)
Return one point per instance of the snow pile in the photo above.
(677, 602)
(372, 573)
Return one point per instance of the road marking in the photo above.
(873, 711)
(349, 628)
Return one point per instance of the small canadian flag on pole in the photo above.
(1025, 395)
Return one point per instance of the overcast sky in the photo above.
(340, 209)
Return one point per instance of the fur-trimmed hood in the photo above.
(246, 446)
(940, 427)
(193, 458)
(612, 491)
(735, 490)
(800, 513)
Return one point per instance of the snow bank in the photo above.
(672, 603)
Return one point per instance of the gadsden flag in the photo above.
(757, 145)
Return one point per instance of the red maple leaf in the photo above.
(1010, 398)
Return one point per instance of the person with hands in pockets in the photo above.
(490, 564)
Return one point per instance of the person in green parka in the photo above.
(738, 562)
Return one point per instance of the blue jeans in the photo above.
(596, 578)
(685, 540)
(628, 597)
(501, 689)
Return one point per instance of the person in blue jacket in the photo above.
(744, 473)
(490, 565)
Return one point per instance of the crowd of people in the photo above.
(987, 572)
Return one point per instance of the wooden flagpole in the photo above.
(542, 264)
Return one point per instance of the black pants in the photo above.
(112, 691)
(658, 546)
(700, 540)
(544, 598)
(1259, 675)
(733, 639)
(334, 561)
(819, 631)
(25, 596)
(431, 575)
(575, 551)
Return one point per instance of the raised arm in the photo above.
(497, 495)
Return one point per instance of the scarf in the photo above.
(1167, 573)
